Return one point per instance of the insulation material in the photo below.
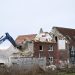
(61, 45)
(43, 37)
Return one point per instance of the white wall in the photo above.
(61, 44)
(28, 62)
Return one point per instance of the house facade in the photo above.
(43, 45)
(58, 46)
(65, 39)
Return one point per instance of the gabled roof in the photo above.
(68, 33)
(22, 38)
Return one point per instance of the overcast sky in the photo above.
(20, 17)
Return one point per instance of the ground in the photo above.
(34, 71)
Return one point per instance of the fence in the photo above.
(28, 62)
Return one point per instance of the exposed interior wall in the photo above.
(43, 37)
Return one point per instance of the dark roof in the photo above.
(68, 33)
(22, 38)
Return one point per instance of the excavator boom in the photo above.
(8, 37)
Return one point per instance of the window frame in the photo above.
(72, 51)
(42, 47)
(50, 48)
(51, 59)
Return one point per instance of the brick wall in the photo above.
(45, 52)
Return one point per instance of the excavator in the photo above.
(23, 48)
(12, 41)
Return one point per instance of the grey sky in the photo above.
(27, 16)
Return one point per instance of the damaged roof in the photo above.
(41, 37)
(22, 38)
(68, 33)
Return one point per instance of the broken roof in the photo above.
(68, 33)
(22, 38)
(41, 37)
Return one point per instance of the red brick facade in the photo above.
(54, 53)
(45, 52)
(41, 48)
(67, 34)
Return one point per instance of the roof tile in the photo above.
(22, 38)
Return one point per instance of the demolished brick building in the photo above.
(67, 38)
(56, 46)
(43, 45)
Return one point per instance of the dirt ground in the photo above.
(35, 70)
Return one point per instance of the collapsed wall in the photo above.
(5, 55)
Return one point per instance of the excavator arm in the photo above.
(8, 37)
(2, 39)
